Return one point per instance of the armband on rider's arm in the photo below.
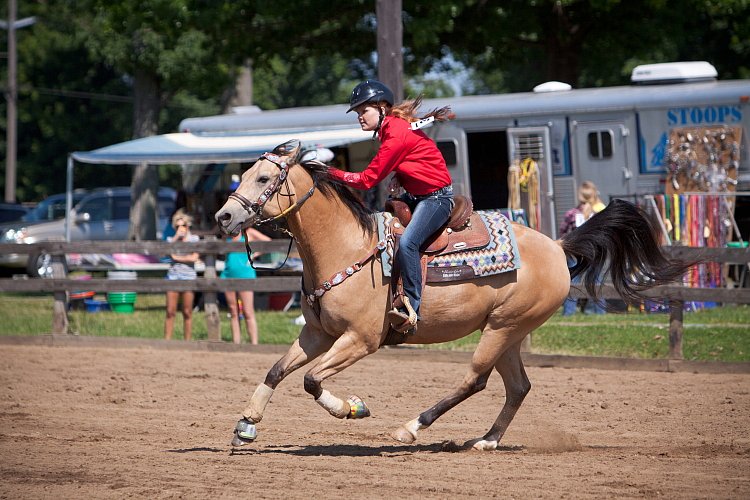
(423, 123)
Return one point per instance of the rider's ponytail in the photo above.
(407, 110)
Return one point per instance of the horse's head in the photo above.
(260, 184)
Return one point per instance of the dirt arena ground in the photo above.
(83, 422)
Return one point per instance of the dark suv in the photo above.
(12, 211)
(103, 214)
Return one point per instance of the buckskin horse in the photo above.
(347, 295)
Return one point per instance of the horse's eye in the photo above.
(263, 179)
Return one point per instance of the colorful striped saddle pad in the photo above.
(498, 256)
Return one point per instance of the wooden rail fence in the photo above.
(60, 285)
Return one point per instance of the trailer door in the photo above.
(534, 143)
(606, 155)
(451, 141)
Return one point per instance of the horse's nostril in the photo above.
(223, 216)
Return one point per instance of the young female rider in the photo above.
(420, 169)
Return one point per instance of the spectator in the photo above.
(589, 203)
(180, 203)
(237, 265)
(182, 268)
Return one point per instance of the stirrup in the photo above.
(401, 323)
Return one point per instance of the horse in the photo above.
(347, 296)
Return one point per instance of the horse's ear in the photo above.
(291, 149)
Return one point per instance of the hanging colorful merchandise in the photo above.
(698, 220)
(697, 210)
(703, 159)
(523, 185)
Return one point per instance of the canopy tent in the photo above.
(187, 148)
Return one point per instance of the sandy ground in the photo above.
(81, 422)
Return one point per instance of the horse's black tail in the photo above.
(620, 241)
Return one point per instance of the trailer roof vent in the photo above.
(674, 72)
(552, 87)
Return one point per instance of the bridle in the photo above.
(255, 208)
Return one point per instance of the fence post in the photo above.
(60, 307)
(210, 303)
(526, 343)
(676, 308)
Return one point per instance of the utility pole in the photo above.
(390, 42)
(11, 97)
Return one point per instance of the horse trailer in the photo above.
(616, 137)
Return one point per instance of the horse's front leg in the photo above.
(347, 350)
(310, 344)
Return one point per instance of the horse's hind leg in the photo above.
(308, 346)
(517, 386)
(485, 357)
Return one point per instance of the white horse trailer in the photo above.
(614, 136)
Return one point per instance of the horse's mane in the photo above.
(328, 187)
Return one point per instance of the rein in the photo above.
(257, 206)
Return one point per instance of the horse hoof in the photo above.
(244, 433)
(358, 408)
(484, 445)
(403, 435)
(238, 441)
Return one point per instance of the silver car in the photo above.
(50, 208)
(103, 214)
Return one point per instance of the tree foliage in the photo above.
(515, 45)
(83, 65)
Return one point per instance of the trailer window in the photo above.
(448, 148)
(600, 144)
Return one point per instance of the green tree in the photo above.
(96, 72)
(66, 102)
(163, 47)
(515, 45)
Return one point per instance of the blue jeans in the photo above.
(570, 306)
(429, 213)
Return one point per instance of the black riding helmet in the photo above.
(370, 91)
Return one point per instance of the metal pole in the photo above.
(11, 96)
(68, 197)
(652, 202)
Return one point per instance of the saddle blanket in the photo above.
(499, 256)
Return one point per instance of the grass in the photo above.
(32, 315)
(716, 334)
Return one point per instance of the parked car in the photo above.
(52, 207)
(102, 214)
(12, 211)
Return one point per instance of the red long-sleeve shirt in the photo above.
(416, 159)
